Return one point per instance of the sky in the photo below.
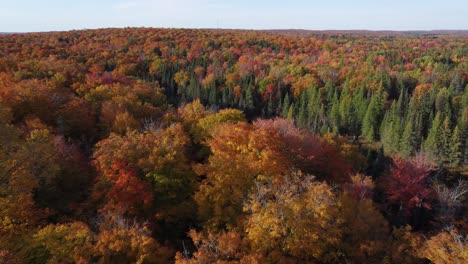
(58, 15)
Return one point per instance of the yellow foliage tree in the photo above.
(294, 215)
(65, 243)
(365, 230)
(206, 124)
(241, 154)
(446, 247)
(222, 248)
(124, 241)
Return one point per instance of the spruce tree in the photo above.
(402, 100)
(213, 95)
(278, 109)
(373, 115)
(301, 115)
(408, 141)
(445, 141)
(329, 90)
(291, 112)
(455, 152)
(249, 99)
(463, 128)
(386, 129)
(313, 108)
(391, 128)
(284, 112)
(269, 111)
(442, 103)
(359, 108)
(323, 125)
(431, 144)
(334, 115)
(345, 110)
(367, 124)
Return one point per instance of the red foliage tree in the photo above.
(407, 184)
(308, 152)
(128, 193)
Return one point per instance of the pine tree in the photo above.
(323, 125)
(359, 108)
(396, 133)
(402, 100)
(285, 111)
(425, 108)
(455, 153)
(313, 108)
(445, 141)
(345, 110)
(213, 95)
(291, 112)
(278, 110)
(442, 104)
(367, 129)
(463, 128)
(391, 128)
(431, 144)
(386, 129)
(373, 115)
(329, 90)
(249, 99)
(301, 116)
(408, 142)
(269, 111)
(334, 114)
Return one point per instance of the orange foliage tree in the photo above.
(241, 154)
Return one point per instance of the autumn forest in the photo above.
(144, 145)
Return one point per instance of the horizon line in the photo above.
(241, 29)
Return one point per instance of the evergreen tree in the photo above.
(301, 116)
(408, 143)
(213, 95)
(387, 128)
(373, 115)
(345, 110)
(278, 109)
(445, 141)
(323, 124)
(359, 109)
(269, 111)
(431, 145)
(193, 89)
(411, 136)
(402, 100)
(249, 99)
(291, 112)
(455, 152)
(334, 115)
(425, 108)
(313, 108)
(442, 104)
(396, 134)
(463, 128)
(329, 93)
(285, 111)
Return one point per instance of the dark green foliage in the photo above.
(373, 115)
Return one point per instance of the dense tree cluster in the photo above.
(220, 146)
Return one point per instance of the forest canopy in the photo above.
(143, 145)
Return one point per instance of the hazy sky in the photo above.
(37, 15)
